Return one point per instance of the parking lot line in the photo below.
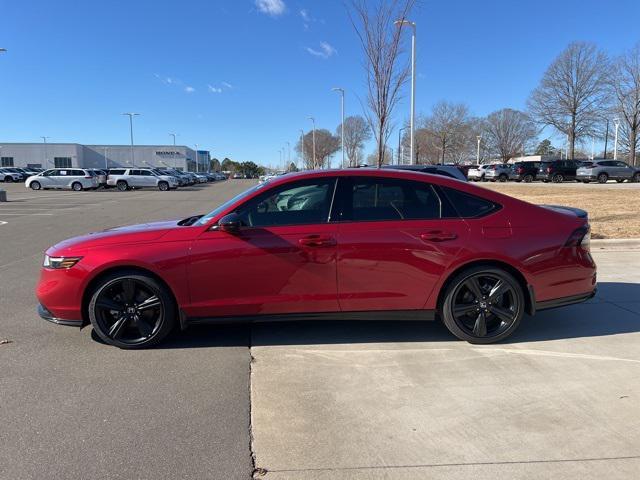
(2, 214)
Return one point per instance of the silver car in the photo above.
(478, 174)
(126, 178)
(76, 179)
(498, 172)
(604, 170)
(7, 176)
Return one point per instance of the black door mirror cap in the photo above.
(229, 223)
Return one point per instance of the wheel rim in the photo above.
(602, 179)
(163, 186)
(77, 187)
(528, 178)
(122, 186)
(35, 186)
(129, 311)
(485, 305)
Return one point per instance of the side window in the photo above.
(49, 173)
(77, 173)
(467, 205)
(299, 203)
(134, 172)
(378, 199)
(145, 173)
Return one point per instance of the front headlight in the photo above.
(60, 262)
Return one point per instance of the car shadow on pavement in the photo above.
(615, 310)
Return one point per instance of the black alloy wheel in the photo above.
(528, 178)
(557, 178)
(132, 310)
(503, 178)
(483, 305)
(603, 178)
(122, 186)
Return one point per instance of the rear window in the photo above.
(467, 205)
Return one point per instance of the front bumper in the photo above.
(48, 316)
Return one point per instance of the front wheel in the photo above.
(603, 178)
(163, 186)
(528, 178)
(636, 178)
(483, 305)
(7, 179)
(35, 185)
(132, 310)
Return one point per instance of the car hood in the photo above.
(144, 232)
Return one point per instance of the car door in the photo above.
(147, 178)
(623, 171)
(396, 237)
(281, 260)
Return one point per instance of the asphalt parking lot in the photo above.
(356, 400)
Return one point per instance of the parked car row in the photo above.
(16, 174)
(123, 179)
(557, 171)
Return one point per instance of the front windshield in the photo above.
(204, 220)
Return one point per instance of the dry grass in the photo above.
(614, 210)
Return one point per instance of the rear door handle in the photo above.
(438, 236)
(316, 241)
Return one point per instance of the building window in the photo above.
(6, 162)
(62, 162)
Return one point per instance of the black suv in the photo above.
(558, 171)
(524, 171)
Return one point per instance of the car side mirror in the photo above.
(230, 223)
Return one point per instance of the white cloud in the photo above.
(325, 51)
(189, 89)
(227, 85)
(305, 15)
(213, 89)
(274, 8)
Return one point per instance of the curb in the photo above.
(619, 244)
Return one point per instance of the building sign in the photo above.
(168, 153)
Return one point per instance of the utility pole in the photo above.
(131, 115)
(479, 137)
(400, 146)
(197, 170)
(401, 23)
(46, 159)
(313, 120)
(341, 90)
(606, 139)
(616, 123)
(302, 148)
(106, 159)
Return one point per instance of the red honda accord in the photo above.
(344, 244)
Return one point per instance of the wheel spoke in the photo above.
(151, 302)
(480, 327)
(498, 289)
(464, 308)
(117, 327)
(109, 304)
(502, 313)
(128, 290)
(474, 287)
(143, 327)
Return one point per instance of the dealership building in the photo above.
(66, 155)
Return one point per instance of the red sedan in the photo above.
(365, 244)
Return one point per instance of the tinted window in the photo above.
(378, 199)
(299, 203)
(116, 172)
(467, 205)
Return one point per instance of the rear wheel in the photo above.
(163, 186)
(528, 178)
(503, 178)
(636, 178)
(603, 178)
(8, 179)
(35, 185)
(483, 305)
(132, 310)
(122, 185)
(76, 186)
(557, 178)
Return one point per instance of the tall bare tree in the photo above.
(625, 84)
(326, 145)
(356, 133)
(507, 132)
(449, 126)
(573, 92)
(381, 40)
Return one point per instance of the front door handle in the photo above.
(438, 236)
(316, 241)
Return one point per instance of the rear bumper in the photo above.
(48, 316)
(564, 301)
(586, 177)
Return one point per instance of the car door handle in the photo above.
(316, 241)
(438, 236)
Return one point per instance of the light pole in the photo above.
(400, 144)
(341, 90)
(288, 155)
(197, 170)
(280, 162)
(302, 148)
(46, 159)
(400, 24)
(479, 137)
(616, 123)
(313, 160)
(106, 159)
(174, 135)
(131, 115)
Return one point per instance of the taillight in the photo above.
(581, 237)
(520, 170)
(549, 169)
(88, 177)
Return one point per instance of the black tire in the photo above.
(76, 187)
(130, 310)
(503, 178)
(528, 178)
(35, 185)
(557, 178)
(479, 324)
(8, 179)
(122, 185)
(636, 178)
(603, 178)
(163, 186)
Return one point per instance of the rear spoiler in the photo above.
(578, 212)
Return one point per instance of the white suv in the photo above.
(76, 179)
(126, 178)
(8, 176)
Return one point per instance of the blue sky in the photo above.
(240, 77)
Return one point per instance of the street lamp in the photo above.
(46, 159)
(399, 143)
(302, 148)
(616, 123)
(341, 90)
(401, 23)
(131, 115)
(479, 137)
(313, 160)
(106, 159)
(288, 155)
(174, 135)
(197, 160)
